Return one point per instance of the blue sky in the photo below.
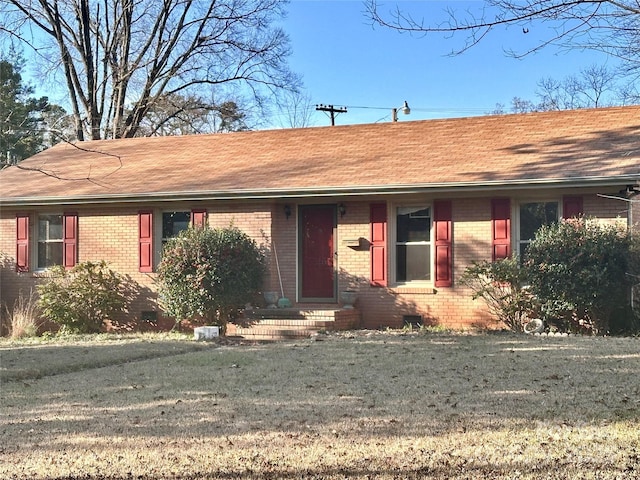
(345, 61)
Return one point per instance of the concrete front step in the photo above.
(276, 324)
(293, 313)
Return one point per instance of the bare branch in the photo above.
(610, 26)
(119, 57)
(52, 173)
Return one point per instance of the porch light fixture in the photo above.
(631, 190)
(405, 109)
(287, 211)
(342, 209)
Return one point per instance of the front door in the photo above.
(317, 271)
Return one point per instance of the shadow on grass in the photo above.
(29, 362)
(362, 387)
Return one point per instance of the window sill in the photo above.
(46, 273)
(413, 289)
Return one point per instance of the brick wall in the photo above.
(387, 306)
(111, 233)
(451, 307)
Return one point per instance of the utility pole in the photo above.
(332, 111)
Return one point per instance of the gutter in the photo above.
(330, 191)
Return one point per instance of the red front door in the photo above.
(317, 252)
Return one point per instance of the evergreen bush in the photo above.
(579, 270)
(81, 299)
(209, 273)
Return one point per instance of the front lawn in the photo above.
(345, 405)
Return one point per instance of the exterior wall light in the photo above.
(342, 209)
(287, 211)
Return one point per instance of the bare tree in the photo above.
(296, 108)
(610, 26)
(520, 105)
(122, 58)
(594, 87)
(178, 115)
(628, 94)
(596, 82)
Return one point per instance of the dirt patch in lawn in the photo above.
(349, 405)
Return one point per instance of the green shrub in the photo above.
(81, 299)
(579, 272)
(500, 285)
(209, 273)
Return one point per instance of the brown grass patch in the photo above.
(23, 318)
(361, 405)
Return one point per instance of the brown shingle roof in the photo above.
(579, 147)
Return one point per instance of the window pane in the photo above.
(49, 240)
(50, 227)
(49, 254)
(174, 222)
(413, 224)
(534, 215)
(412, 262)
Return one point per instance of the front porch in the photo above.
(292, 323)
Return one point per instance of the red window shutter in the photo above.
(198, 218)
(145, 241)
(500, 228)
(378, 248)
(69, 240)
(572, 207)
(22, 243)
(443, 224)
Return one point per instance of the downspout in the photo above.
(634, 207)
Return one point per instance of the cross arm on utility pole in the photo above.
(332, 111)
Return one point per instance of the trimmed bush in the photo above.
(81, 299)
(209, 273)
(579, 272)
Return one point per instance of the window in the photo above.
(154, 234)
(50, 241)
(532, 216)
(413, 244)
(173, 223)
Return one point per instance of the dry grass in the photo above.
(365, 405)
(23, 319)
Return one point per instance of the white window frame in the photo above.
(38, 242)
(158, 231)
(393, 244)
(517, 223)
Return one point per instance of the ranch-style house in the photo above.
(393, 211)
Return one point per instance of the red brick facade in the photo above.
(110, 232)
